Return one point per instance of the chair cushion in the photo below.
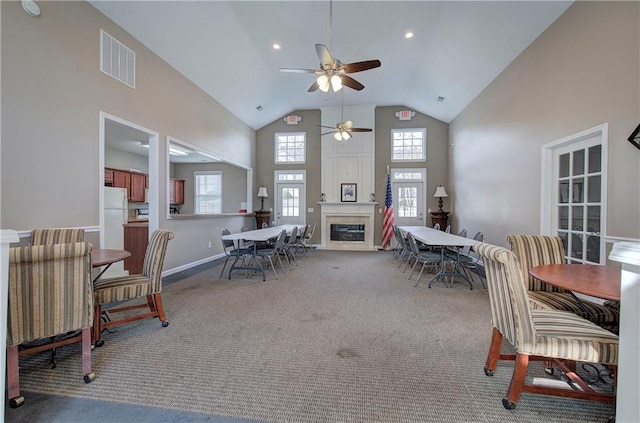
(563, 334)
(542, 300)
(121, 288)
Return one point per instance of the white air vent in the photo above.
(117, 60)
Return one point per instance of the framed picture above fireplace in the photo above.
(348, 193)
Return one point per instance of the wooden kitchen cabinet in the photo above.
(122, 180)
(136, 239)
(108, 177)
(176, 191)
(136, 193)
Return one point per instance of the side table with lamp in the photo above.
(440, 217)
(262, 215)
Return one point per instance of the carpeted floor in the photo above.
(344, 337)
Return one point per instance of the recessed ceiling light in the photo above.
(259, 108)
(440, 99)
(276, 46)
(409, 34)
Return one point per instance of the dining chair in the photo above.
(426, 258)
(289, 247)
(306, 241)
(231, 250)
(275, 251)
(50, 292)
(469, 261)
(299, 242)
(56, 236)
(147, 285)
(436, 226)
(265, 225)
(535, 250)
(539, 335)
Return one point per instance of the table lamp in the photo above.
(440, 193)
(262, 193)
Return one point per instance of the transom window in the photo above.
(409, 144)
(290, 147)
(208, 195)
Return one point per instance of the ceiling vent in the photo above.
(117, 60)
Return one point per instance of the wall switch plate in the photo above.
(310, 210)
(380, 210)
(209, 244)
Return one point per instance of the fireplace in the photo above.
(347, 226)
(347, 232)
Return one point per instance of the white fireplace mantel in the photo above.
(348, 212)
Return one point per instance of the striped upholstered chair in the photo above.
(50, 293)
(539, 335)
(56, 236)
(535, 250)
(147, 285)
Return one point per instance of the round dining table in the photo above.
(106, 257)
(596, 281)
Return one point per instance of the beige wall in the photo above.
(52, 93)
(265, 150)
(583, 71)
(437, 156)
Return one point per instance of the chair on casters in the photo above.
(539, 335)
(50, 293)
(535, 250)
(147, 285)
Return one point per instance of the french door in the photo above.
(290, 197)
(578, 190)
(408, 196)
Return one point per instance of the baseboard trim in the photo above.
(188, 266)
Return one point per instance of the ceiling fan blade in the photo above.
(294, 70)
(313, 87)
(360, 130)
(362, 66)
(325, 126)
(348, 124)
(326, 59)
(327, 133)
(351, 83)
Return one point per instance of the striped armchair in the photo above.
(539, 335)
(56, 236)
(50, 293)
(147, 285)
(535, 250)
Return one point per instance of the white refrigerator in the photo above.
(116, 214)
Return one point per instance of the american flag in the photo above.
(388, 220)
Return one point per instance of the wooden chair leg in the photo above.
(97, 326)
(160, 309)
(13, 377)
(150, 303)
(89, 376)
(517, 381)
(494, 353)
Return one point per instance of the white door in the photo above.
(408, 196)
(578, 193)
(290, 197)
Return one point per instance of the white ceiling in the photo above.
(225, 47)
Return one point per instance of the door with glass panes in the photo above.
(408, 196)
(290, 198)
(579, 199)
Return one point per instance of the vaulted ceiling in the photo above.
(226, 48)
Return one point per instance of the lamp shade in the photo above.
(262, 192)
(440, 192)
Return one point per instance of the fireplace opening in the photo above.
(347, 232)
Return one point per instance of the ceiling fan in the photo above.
(332, 72)
(342, 131)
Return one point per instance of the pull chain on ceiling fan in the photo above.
(332, 72)
(342, 131)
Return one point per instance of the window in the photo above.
(208, 195)
(290, 147)
(409, 145)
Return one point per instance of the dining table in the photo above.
(442, 240)
(596, 281)
(106, 257)
(256, 236)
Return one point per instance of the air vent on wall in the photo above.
(117, 60)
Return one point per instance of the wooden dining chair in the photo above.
(539, 335)
(147, 285)
(50, 293)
